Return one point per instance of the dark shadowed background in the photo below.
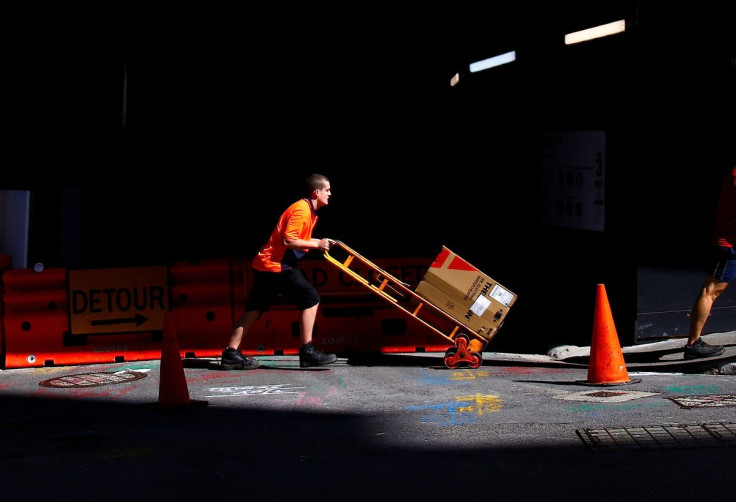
(148, 135)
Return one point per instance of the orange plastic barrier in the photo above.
(205, 299)
(203, 303)
(36, 326)
(35, 315)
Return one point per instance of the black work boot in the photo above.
(309, 355)
(233, 359)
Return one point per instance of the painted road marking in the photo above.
(713, 401)
(253, 390)
(462, 411)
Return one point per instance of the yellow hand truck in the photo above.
(468, 344)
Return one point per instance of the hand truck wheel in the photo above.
(454, 356)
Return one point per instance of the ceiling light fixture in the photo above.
(492, 62)
(603, 30)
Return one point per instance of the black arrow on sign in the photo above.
(138, 320)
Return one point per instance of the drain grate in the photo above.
(605, 393)
(665, 437)
(92, 379)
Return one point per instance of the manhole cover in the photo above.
(660, 437)
(92, 379)
(604, 396)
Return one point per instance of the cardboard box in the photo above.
(457, 309)
(466, 293)
(453, 275)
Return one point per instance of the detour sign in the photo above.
(117, 300)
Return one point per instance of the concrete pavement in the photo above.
(394, 427)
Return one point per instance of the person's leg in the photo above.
(695, 347)
(711, 289)
(264, 290)
(241, 328)
(306, 324)
(305, 297)
(232, 358)
(722, 270)
(309, 355)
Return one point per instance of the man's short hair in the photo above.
(315, 182)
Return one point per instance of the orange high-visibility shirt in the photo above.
(297, 222)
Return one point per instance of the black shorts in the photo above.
(290, 283)
(722, 265)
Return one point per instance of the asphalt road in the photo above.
(397, 427)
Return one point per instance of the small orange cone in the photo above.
(173, 390)
(606, 366)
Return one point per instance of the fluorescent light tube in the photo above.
(494, 61)
(596, 32)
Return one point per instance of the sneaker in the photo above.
(309, 355)
(233, 359)
(702, 349)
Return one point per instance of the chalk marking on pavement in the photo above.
(462, 411)
(695, 389)
(464, 375)
(453, 377)
(253, 390)
(713, 401)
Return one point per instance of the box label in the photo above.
(501, 295)
(480, 305)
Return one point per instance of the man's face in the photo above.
(323, 195)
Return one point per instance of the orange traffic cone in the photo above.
(173, 390)
(606, 366)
